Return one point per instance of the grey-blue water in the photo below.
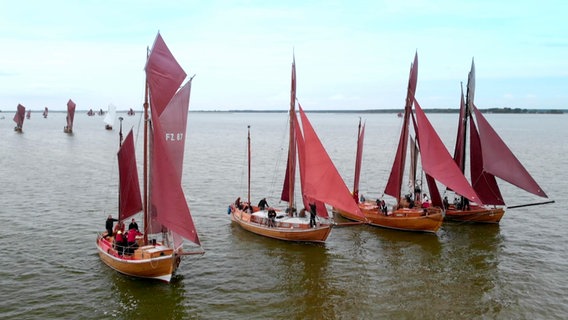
(57, 189)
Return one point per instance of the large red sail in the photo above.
(130, 201)
(437, 161)
(394, 184)
(70, 114)
(358, 160)
(20, 116)
(322, 180)
(163, 74)
(169, 121)
(500, 161)
(459, 150)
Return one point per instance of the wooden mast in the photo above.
(248, 140)
(145, 173)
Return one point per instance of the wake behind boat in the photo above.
(156, 252)
(320, 184)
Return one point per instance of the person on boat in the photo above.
(109, 225)
(383, 207)
(362, 198)
(425, 201)
(133, 225)
(131, 240)
(262, 204)
(446, 203)
(313, 215)
(238, 203)
(119, 242)
(271, 217)
(465, 204)
(119, 227)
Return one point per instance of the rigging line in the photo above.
(531, 204)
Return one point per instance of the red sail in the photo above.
(459, 150)
(358, 161)
(482, 182)
(164, 76)
(437, 161)
(20, 116)
(322, 180)
(169, 120)
(394, 184)
(70, 113)
(169, 206)
(130, 201)
(500, 161)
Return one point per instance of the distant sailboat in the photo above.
(28, 114)
(130, 112)
(90, 113)
(157, 252)
(319, 180)
(70, 117)
(489, 157)
(45, 112)
(19, 118)
(110, 117)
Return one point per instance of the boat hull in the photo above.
(282, 231)
(152, 262)
(401, 219)
(477, 214)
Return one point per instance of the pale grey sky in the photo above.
(349, 54)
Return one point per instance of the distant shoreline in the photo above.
(435, 110)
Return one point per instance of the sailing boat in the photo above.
(157, 251)
(489, 157)
(29, 114)
(70, 116)
(409, 214)
(110, 117)
(45, 112)
(130, 112)
(320, 184)
(19, 118)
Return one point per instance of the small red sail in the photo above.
(437, 161)
(459, 150)
(164, 76)
(130, 201)
(500, 161)
(482, 182)
(70, 114)
(20, 116)
(323, 181)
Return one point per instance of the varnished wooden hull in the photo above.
(153, 262)
(297, 233)
(477, 214)
(401, 219)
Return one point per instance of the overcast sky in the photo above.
(349, 54)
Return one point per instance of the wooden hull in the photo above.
(477, 214)
(286, 232)
(401, 219)
(152, 262)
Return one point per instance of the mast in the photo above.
(292, 141)
(248, 140)
(145, 172)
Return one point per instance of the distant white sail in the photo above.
(110, 116)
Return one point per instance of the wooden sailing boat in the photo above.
(45, 112)
(167, 219)
(19, 118)
(130, 112)
(320, 184)
(29, 114)
(70, 116)
(110, 117)
(489, 157)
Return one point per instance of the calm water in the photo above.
(57, 189)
